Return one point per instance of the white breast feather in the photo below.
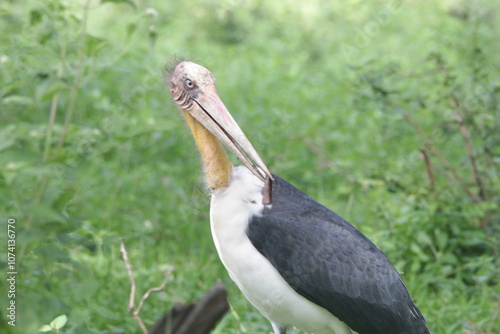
(231, 209)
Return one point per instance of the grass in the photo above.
(92, 150)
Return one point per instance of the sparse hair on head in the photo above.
(172, 63)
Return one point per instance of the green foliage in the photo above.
(386, 112)
(55, 325)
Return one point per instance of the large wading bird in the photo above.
(299, 263)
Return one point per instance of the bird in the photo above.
(299, 263)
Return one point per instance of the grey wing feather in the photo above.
(328, 261)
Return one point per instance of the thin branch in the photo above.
(493, 320)
(52, 117)
(131, 305)
(159, 288)
(476, 327)
(441, 171)
(435, 152)
(53, 108)
(468, 145)
(130, 272)
(78, 77)
(428, 167)
(464, 131)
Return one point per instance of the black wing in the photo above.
(328, 261)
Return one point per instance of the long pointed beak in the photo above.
(209, 110)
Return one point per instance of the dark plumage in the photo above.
(328, 261)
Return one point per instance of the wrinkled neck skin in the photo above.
(216, 165)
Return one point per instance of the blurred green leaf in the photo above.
(47, 88)
(441, 239)
(45, 214)
(59, 322)
(131, 29)
(424, 239)
(65, 196)
(94, 44)
(16, 99)
(45, 328)
(35, 17)
(85, 290)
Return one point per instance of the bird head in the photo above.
(193, 89)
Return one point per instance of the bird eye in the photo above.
(189, 84)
